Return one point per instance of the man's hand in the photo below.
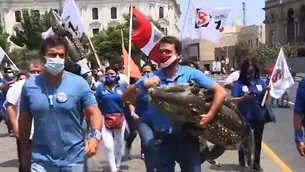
(205, 119)
(151, 82)
(91, 147)
(248, 96)
(301, 148)
(135, 117)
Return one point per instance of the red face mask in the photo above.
(168, 61)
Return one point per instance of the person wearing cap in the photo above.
(5, 83)
(170, 145)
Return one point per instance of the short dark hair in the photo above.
(147, 64)
(188, 63)
(172, 40)
(52, 41)
(111, 68)
(22, 73)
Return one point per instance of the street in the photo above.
(279, 152)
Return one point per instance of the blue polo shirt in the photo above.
(160, 120)
(248, 108)
(58, 134)
(110, 101)
(142, 108)
(299, 105)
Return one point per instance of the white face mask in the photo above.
(54, 65)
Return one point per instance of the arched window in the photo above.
(290, 26)
(161, 12)
(113, 12)
(94, 13)
(17, 16)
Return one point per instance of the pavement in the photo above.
(98, 163)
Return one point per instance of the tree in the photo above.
(272, 51)
(32, 25)
(242, 51)
(3, 39)
(109, 41)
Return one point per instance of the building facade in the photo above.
(97, 14)
(285, 23)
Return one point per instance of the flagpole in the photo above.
(186, 13)
(129, 47)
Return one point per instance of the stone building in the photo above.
(285, 23)
(97, 14)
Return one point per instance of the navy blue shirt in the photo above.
(248, 108)
(161, 121)
(299, 105)
(58, 134)
(110, 101)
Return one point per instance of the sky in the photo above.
(254, 13)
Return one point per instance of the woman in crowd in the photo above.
(248, 92)
(109, 98)
(145, 126)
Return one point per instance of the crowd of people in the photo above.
(59, 121)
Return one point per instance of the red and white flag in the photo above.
(146, 36)
(281, 78)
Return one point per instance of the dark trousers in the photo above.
(133, 131)
(258, 129)
(21, 168)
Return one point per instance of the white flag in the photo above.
(2, 54)
(281, 78)
(72, 17)
(204, 22)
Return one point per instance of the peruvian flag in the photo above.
(146, 36)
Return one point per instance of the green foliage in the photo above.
(3, 39)
(17, 54)
(109, 41)
(242, 51)
(32, 25)
(272, 51)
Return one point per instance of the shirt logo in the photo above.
(119, 92)
(61, 97)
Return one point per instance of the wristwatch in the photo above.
(96, 134)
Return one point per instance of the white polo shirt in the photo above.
(13, 97)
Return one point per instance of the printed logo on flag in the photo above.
(202, 18)
(278, 75)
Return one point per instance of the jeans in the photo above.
(40, 167)
(21, 167)
(147, 145)
(184, 150)
(133, 127)
(258, 129)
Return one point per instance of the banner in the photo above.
(204, 22)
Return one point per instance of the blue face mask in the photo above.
(251, 75)
(11, 75)
(110, 79)
(54, 65)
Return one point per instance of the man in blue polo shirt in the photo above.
(171, 146)
(55, 100)
(299, 120)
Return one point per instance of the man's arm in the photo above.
(132, 92)
(10, 110)
(12, 97)
(5, 87)
(25, 125)
(299, 111)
